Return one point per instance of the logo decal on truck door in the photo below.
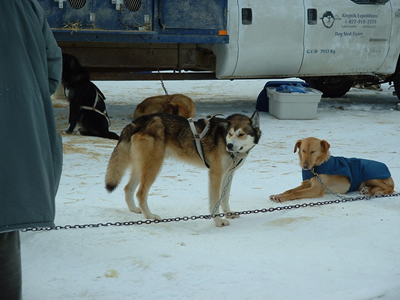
(328, 19)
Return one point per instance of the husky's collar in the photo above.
(233, 156)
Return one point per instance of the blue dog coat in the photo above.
(356, 169)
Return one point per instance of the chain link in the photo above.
(159, 73)
(207, 217)
(235, 164)
(326, 187)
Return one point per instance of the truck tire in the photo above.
(396, 83)
(331, 87)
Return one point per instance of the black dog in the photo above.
(86, 102)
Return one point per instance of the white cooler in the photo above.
(294, 106)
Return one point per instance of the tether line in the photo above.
(207, 217)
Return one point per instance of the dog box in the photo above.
(294, 106)
(262, 103)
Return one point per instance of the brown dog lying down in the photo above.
(176, 104)
(339, 174)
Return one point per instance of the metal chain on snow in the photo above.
(207, 217)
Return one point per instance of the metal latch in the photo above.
(117, 3)
(60, 3)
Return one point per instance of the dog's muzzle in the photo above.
(231, 148)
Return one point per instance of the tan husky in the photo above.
(149, 140)
(339, 174)
(176, 104)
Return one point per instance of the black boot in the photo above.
(10, 266)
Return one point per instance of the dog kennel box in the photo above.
(294, 106)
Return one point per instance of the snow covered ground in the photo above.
(346, 251)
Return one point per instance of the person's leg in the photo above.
(10, 266)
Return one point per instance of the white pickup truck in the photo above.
(329, 43)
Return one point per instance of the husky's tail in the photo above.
(120, 159)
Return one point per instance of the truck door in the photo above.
(99, 14)
(345, 36)
(270, 38)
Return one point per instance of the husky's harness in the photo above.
(94, 108)
(199, 137)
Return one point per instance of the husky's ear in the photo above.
(224, 123)
(255, 123)
(255, 119)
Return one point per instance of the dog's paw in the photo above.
(221, 222)
(136, 210)
(231, 215)
(154, 217)
(275, 198)
(364, 190)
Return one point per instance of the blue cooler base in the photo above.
(262, 99)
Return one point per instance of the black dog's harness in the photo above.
(94, 108)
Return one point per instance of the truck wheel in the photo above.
(332, 87)
(396, 83)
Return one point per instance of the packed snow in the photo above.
(345, 251)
